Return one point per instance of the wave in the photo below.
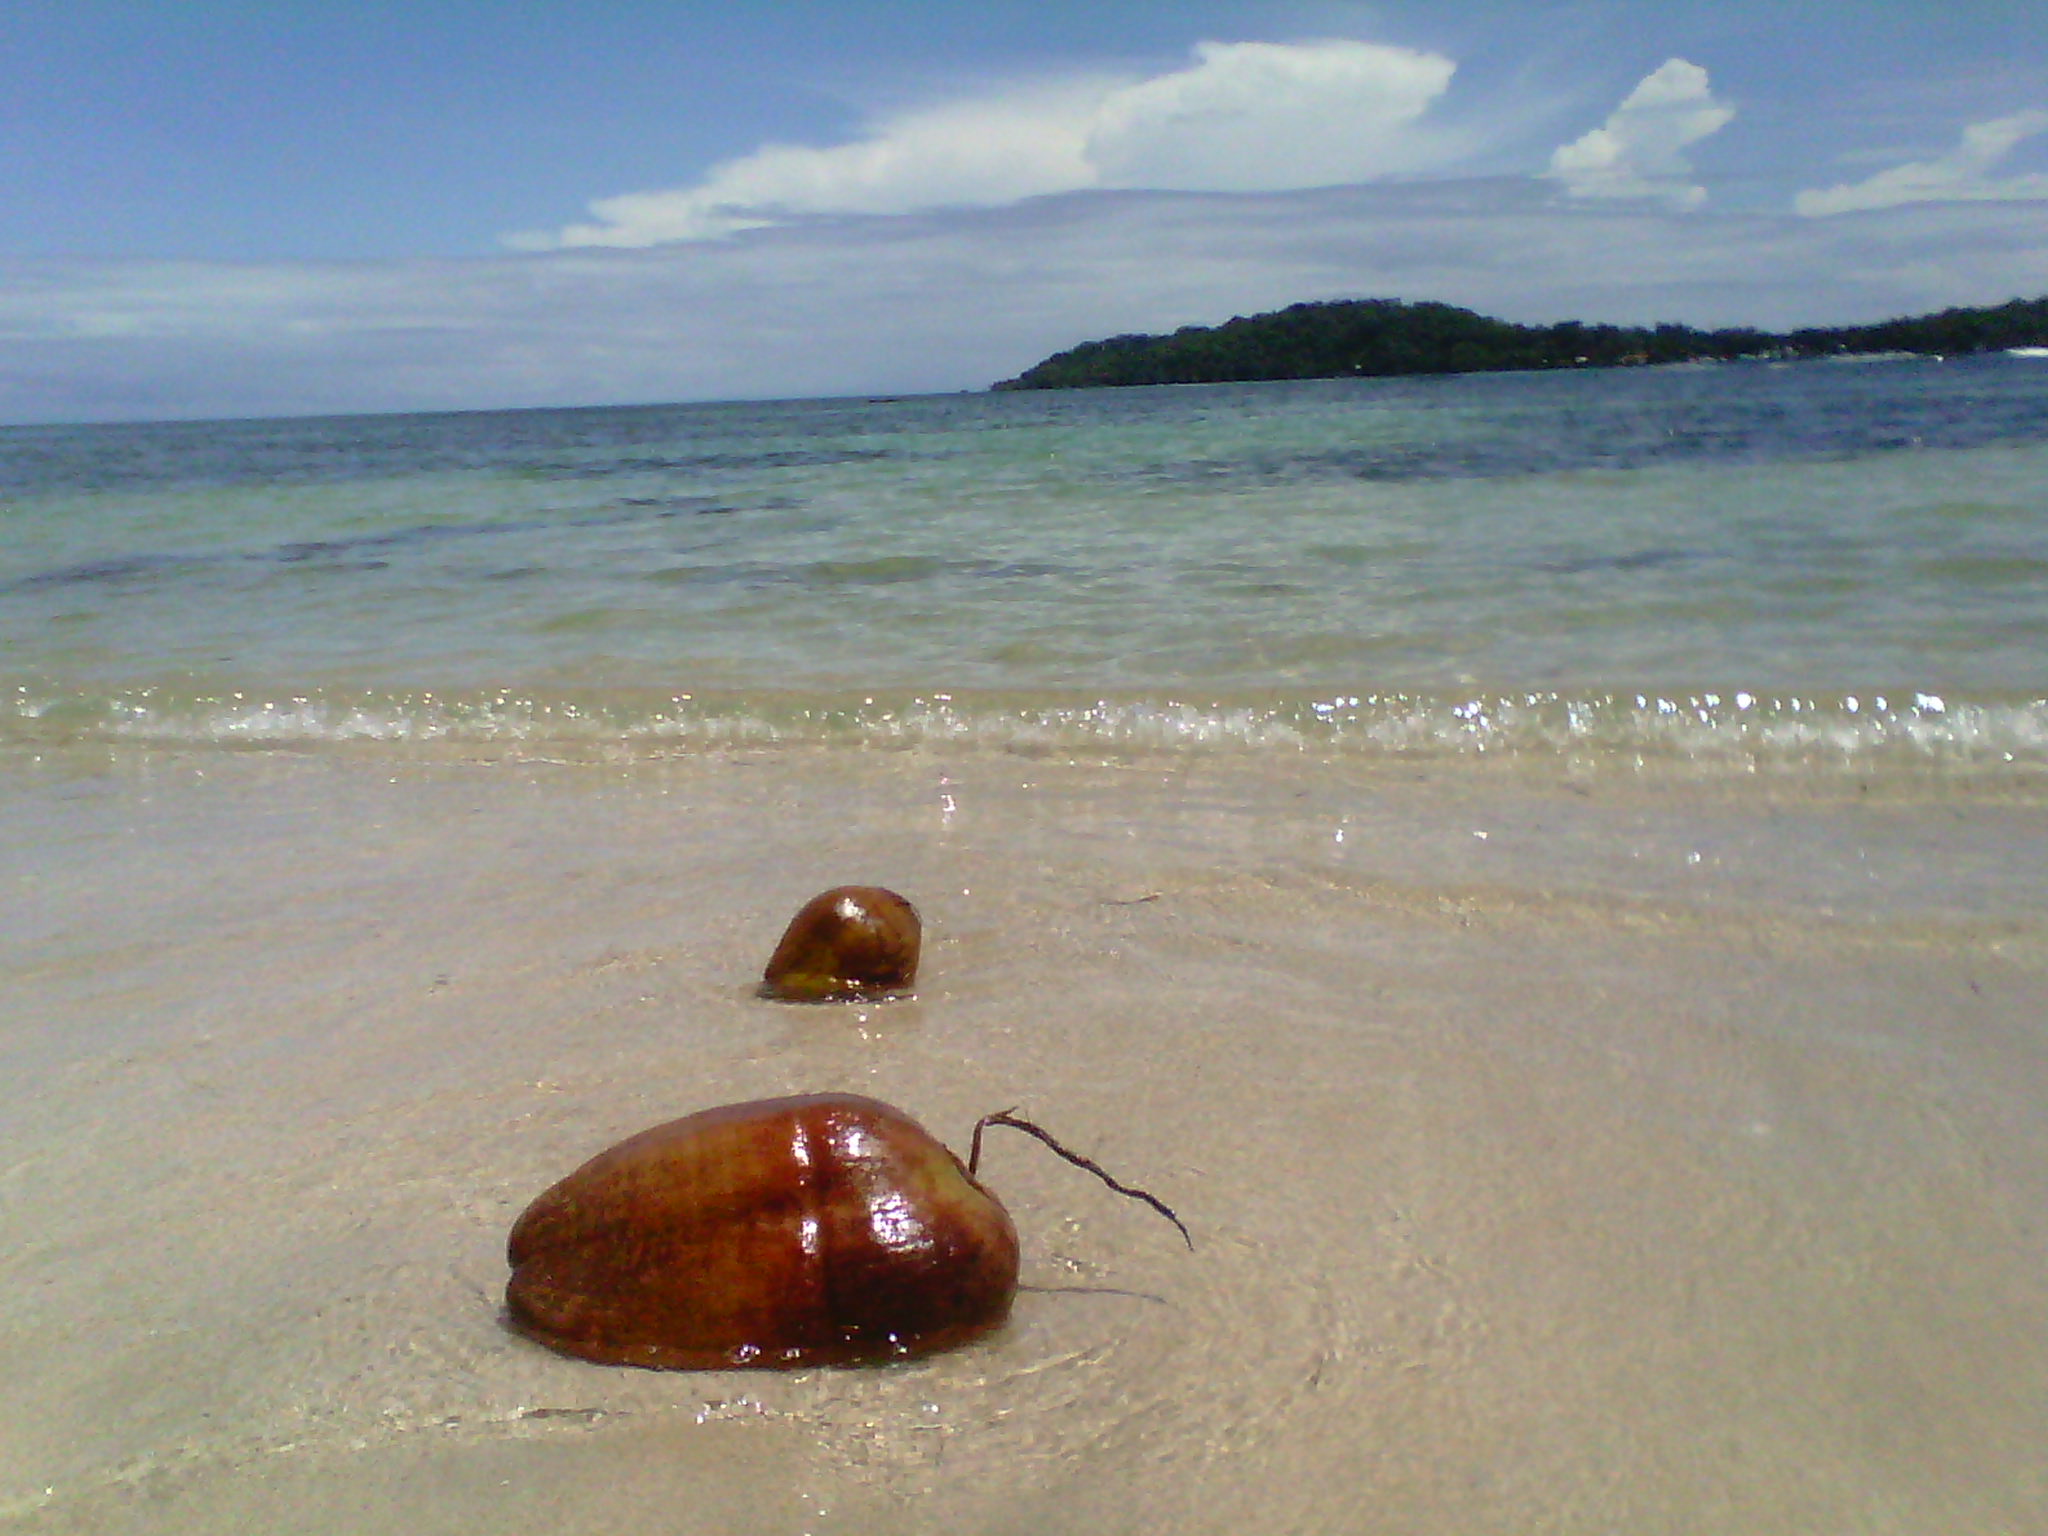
(1735, 730)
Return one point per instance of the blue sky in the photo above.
(224, 207)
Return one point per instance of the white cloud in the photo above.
(1264, 117)
(1639, 152)
(960, 154)
(1964, 174)
(1243, 117)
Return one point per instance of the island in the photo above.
(1378, 338)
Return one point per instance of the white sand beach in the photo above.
(1563, 1153)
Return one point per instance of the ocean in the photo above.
(1546, 875)
(1792, 566)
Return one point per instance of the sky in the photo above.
(285, 207)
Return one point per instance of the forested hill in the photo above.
(1380, 337)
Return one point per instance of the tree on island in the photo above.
(1378, 338)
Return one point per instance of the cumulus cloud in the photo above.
(1639, 152)
(1264, 117)
(1243, 117)
(1964, 174)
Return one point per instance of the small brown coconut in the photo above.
(853, 941)
(827, 1229)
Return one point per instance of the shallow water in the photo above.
(1554, 1155)
(1737, 564)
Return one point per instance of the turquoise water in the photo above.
(1812, 564)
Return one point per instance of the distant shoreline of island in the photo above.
(1390, 338)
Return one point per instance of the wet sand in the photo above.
(1563, 1151)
